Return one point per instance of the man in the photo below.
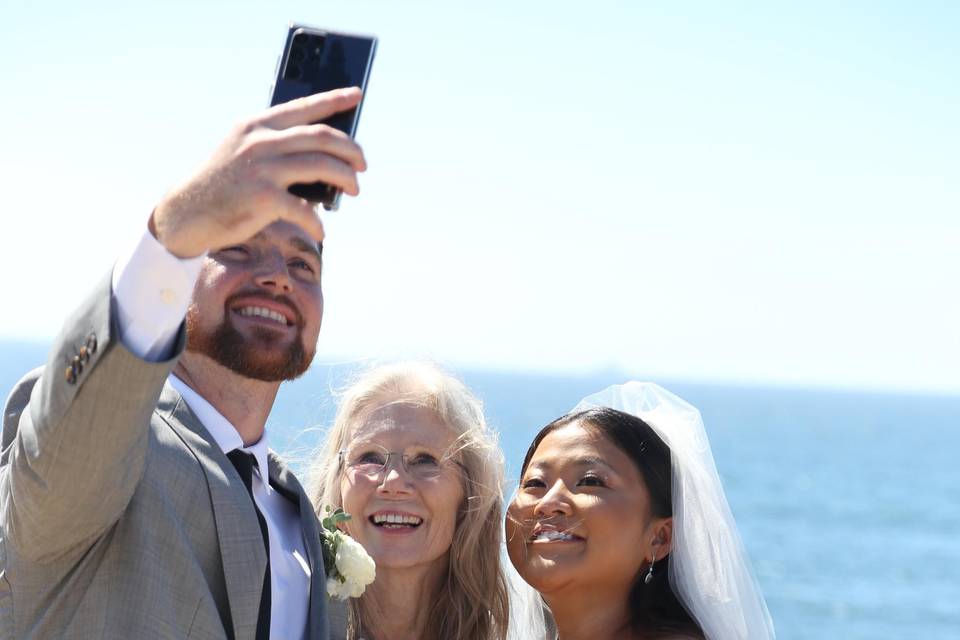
(137, 496)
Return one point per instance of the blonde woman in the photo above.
(410, 457)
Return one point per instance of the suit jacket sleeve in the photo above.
(75, 435)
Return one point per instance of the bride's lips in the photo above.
(546, 533)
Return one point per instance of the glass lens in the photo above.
(367, 461)
(373, 461)
(422, 465)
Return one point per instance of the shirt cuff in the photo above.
(152, 290)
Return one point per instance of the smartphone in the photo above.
(315, 60)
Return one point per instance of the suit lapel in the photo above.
(284, 481)
(241, 544)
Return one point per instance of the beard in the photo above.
(258, 357)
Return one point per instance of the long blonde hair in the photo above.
(472, 602)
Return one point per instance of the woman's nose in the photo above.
(394, 478)
(555, 501)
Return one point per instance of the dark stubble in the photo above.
(256, 357)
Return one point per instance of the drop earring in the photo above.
(649, 575)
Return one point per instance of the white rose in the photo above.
(355, 565)
(337, 589)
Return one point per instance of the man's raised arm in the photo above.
(75, 434)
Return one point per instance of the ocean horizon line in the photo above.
(25, 347)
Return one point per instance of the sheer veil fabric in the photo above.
(527, 612)
(709, 568)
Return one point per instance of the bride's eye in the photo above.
(531, 483)
(591, 480)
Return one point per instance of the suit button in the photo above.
(70, 375)
(92, 343)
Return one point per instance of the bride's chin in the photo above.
(546, 576)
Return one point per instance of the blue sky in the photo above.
(752, 192)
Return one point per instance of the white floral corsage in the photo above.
(349, 568)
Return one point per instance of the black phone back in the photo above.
(314, 61)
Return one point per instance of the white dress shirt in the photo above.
(152, 290)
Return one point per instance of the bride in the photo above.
(621, 523)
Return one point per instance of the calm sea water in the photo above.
(849, 504)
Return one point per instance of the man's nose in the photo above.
(272, 273)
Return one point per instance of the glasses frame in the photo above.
(404, 457)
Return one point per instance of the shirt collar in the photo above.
(223, 432)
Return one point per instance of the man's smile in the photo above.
(265, 311)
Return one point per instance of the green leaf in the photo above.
(330, 536)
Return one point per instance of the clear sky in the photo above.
(748, 192)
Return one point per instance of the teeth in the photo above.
(263, 312)
(396, 518)
(553, 536)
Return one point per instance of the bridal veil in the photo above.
(709, 569)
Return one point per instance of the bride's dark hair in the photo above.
(654, 608)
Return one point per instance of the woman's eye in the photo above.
(532, 483)
(238, 251)
(423, 461)
(591, 481)
(370, 457)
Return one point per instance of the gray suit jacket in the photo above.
(120, 517)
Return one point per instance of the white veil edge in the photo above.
(709, 568)
(527, 620)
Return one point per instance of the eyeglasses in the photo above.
(372, 461)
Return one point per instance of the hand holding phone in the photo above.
(244, 185)
(315, 61)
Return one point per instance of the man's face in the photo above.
(257, 306)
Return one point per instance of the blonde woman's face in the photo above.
(400, 486)
(581, 516)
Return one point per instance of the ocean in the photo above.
(848, 503)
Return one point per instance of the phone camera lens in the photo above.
(314, 46)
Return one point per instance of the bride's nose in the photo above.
(555, 501)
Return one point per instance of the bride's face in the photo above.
(581, 517)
